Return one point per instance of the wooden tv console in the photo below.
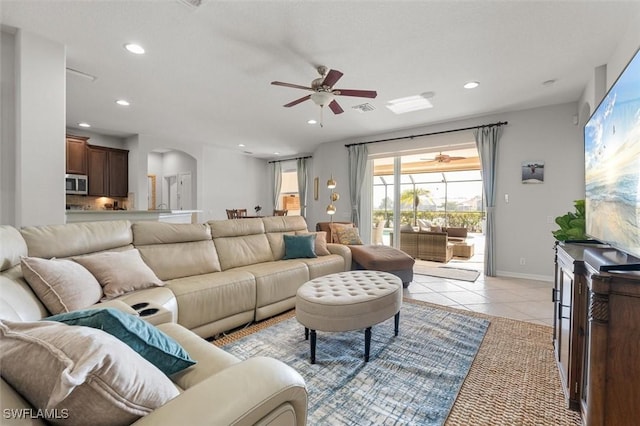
(597, 333)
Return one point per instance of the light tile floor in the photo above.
(516, 298)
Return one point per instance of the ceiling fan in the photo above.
(443, 158)
(323, 92)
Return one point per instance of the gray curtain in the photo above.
(357, 169)
(277, 183)
(301, 165)
(487, 144)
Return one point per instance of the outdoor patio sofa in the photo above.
(436, 246)
(211, 278)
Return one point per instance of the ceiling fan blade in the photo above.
(357, 93)
(297, 101)
(337, 109)
(332, 78)
(294, 86)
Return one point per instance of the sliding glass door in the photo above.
(424, 191)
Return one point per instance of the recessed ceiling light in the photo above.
(134, 48)
(123, 102)
(83, 124)
(312, 121)
(410, 103)
(471, 85)
(276, 153)
(241, 145)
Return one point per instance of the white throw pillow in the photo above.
(425, 225)
(83, 375)
(61, 285)
(120, 272)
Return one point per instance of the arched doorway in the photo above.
(171, 180)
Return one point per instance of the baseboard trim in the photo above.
(546, 278)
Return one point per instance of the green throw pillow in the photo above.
(297, 246)
(152, 344)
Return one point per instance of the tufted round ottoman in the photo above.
(348, 301)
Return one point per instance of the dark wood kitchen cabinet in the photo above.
(108, 171)
(118, 172)
(76, 154)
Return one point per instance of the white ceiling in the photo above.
(207, 71)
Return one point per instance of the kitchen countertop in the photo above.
(174, 216)
(162, 211)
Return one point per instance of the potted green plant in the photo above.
(572, 224)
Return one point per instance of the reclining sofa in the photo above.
(213, 277)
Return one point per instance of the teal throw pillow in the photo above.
(297, 246)
(152, 344)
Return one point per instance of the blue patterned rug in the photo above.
(412, 379)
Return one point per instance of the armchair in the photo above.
(434, 246)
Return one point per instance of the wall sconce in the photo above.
(334, 196)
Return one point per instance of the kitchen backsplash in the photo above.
(87, 202)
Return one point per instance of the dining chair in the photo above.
(280, 212)
(242, 212)
(232, 213)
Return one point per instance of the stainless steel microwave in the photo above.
(76, 184)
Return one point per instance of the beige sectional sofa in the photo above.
(217, 276)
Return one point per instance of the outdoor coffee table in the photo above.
(348, 301)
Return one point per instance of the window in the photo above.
(289, 197)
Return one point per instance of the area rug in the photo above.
(513, 380)
(447, 272)
(412, 379)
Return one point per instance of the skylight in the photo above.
(410, 103)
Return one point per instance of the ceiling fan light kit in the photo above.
(323, 92)
(322, 98)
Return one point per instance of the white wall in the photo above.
(154, 167)
(548, 134)
(7, 129)
(234, 180)
(40, 88)
(627, 46)
(223, 178)
(98, 139)
(524, 224)
(605, 75)
(173, 163)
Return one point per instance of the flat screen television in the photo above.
(612, 164)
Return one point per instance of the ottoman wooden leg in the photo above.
(312, 343)
(367, 343)
(396, 323)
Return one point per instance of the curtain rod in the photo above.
(290, 159)
(500, 123)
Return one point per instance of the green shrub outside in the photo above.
(470, 220)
